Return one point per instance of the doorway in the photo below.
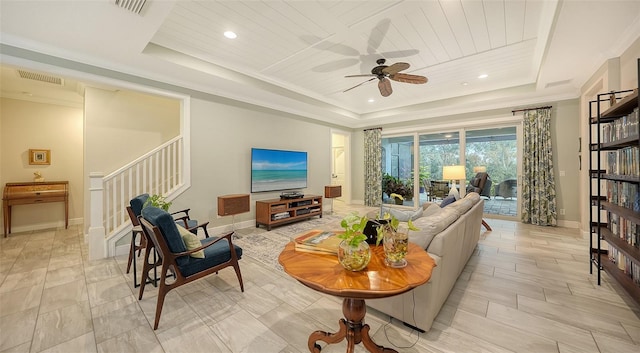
(339, 161)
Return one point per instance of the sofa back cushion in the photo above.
(429, 226)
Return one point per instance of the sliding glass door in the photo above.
(409, 172)
(495, 151)
(436, 151)
(397, 170)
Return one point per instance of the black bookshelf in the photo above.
(615, 118)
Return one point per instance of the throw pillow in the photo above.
(191, 242)
(447, 201)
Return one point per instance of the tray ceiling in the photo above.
(294, 55)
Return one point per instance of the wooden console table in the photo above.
(31, 193)
(325, 274)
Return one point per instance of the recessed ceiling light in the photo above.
(483, 76)
(371, 100)
(464, 83)
(230, 34)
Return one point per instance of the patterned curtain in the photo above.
(538, 184)
(372, 167)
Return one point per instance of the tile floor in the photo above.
(526, 289)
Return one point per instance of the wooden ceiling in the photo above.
(294, 55)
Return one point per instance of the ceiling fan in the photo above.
(383, 73)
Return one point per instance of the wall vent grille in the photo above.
(134, 6)
(40, 77)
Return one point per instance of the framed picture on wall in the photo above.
(39, 157)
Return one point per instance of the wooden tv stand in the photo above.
(269, 212)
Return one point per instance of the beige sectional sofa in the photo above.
(450, 236)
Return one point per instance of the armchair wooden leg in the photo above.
(486, 225)
(145, 271)
(162, 292)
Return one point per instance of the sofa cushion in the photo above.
(461, 206)
(432, 208)
(431, 225)
(427, 205)
(473, 196)
(403, 215)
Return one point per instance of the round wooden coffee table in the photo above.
(325, 274)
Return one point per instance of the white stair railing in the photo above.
(158, 172)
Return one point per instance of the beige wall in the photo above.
(124, 124)
(615, 74)
(121, 126)
(26, 125)
(629, 66)
(565, 118)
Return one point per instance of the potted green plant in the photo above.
(399, 199)
(354, 253)
(395, 239)
(158, 201)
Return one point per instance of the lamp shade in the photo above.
(480, 169)
(453, 172)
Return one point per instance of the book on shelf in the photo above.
(320, 241)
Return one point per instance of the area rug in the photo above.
(265, 246)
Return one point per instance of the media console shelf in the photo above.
(275, 212)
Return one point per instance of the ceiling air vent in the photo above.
(40, 77)
(134, 6)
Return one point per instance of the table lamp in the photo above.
(453, 173)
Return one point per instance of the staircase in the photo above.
(160, 171)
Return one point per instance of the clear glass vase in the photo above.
(396, 244)
(354, 258)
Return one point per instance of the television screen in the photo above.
(273, 170)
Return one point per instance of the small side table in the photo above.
(325, 274)
(332, 191)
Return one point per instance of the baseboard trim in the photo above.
(43, 226)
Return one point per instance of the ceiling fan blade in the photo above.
(407, 78)
(385, 87)
(358, 85)
(377, 35)
(395, 68)
(361, 75)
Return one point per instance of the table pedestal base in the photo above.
(351, 328)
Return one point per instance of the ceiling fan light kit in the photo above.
(383, 73)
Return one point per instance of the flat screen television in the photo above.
(273, 170)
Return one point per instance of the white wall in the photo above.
(221, 139)
(57, 128)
